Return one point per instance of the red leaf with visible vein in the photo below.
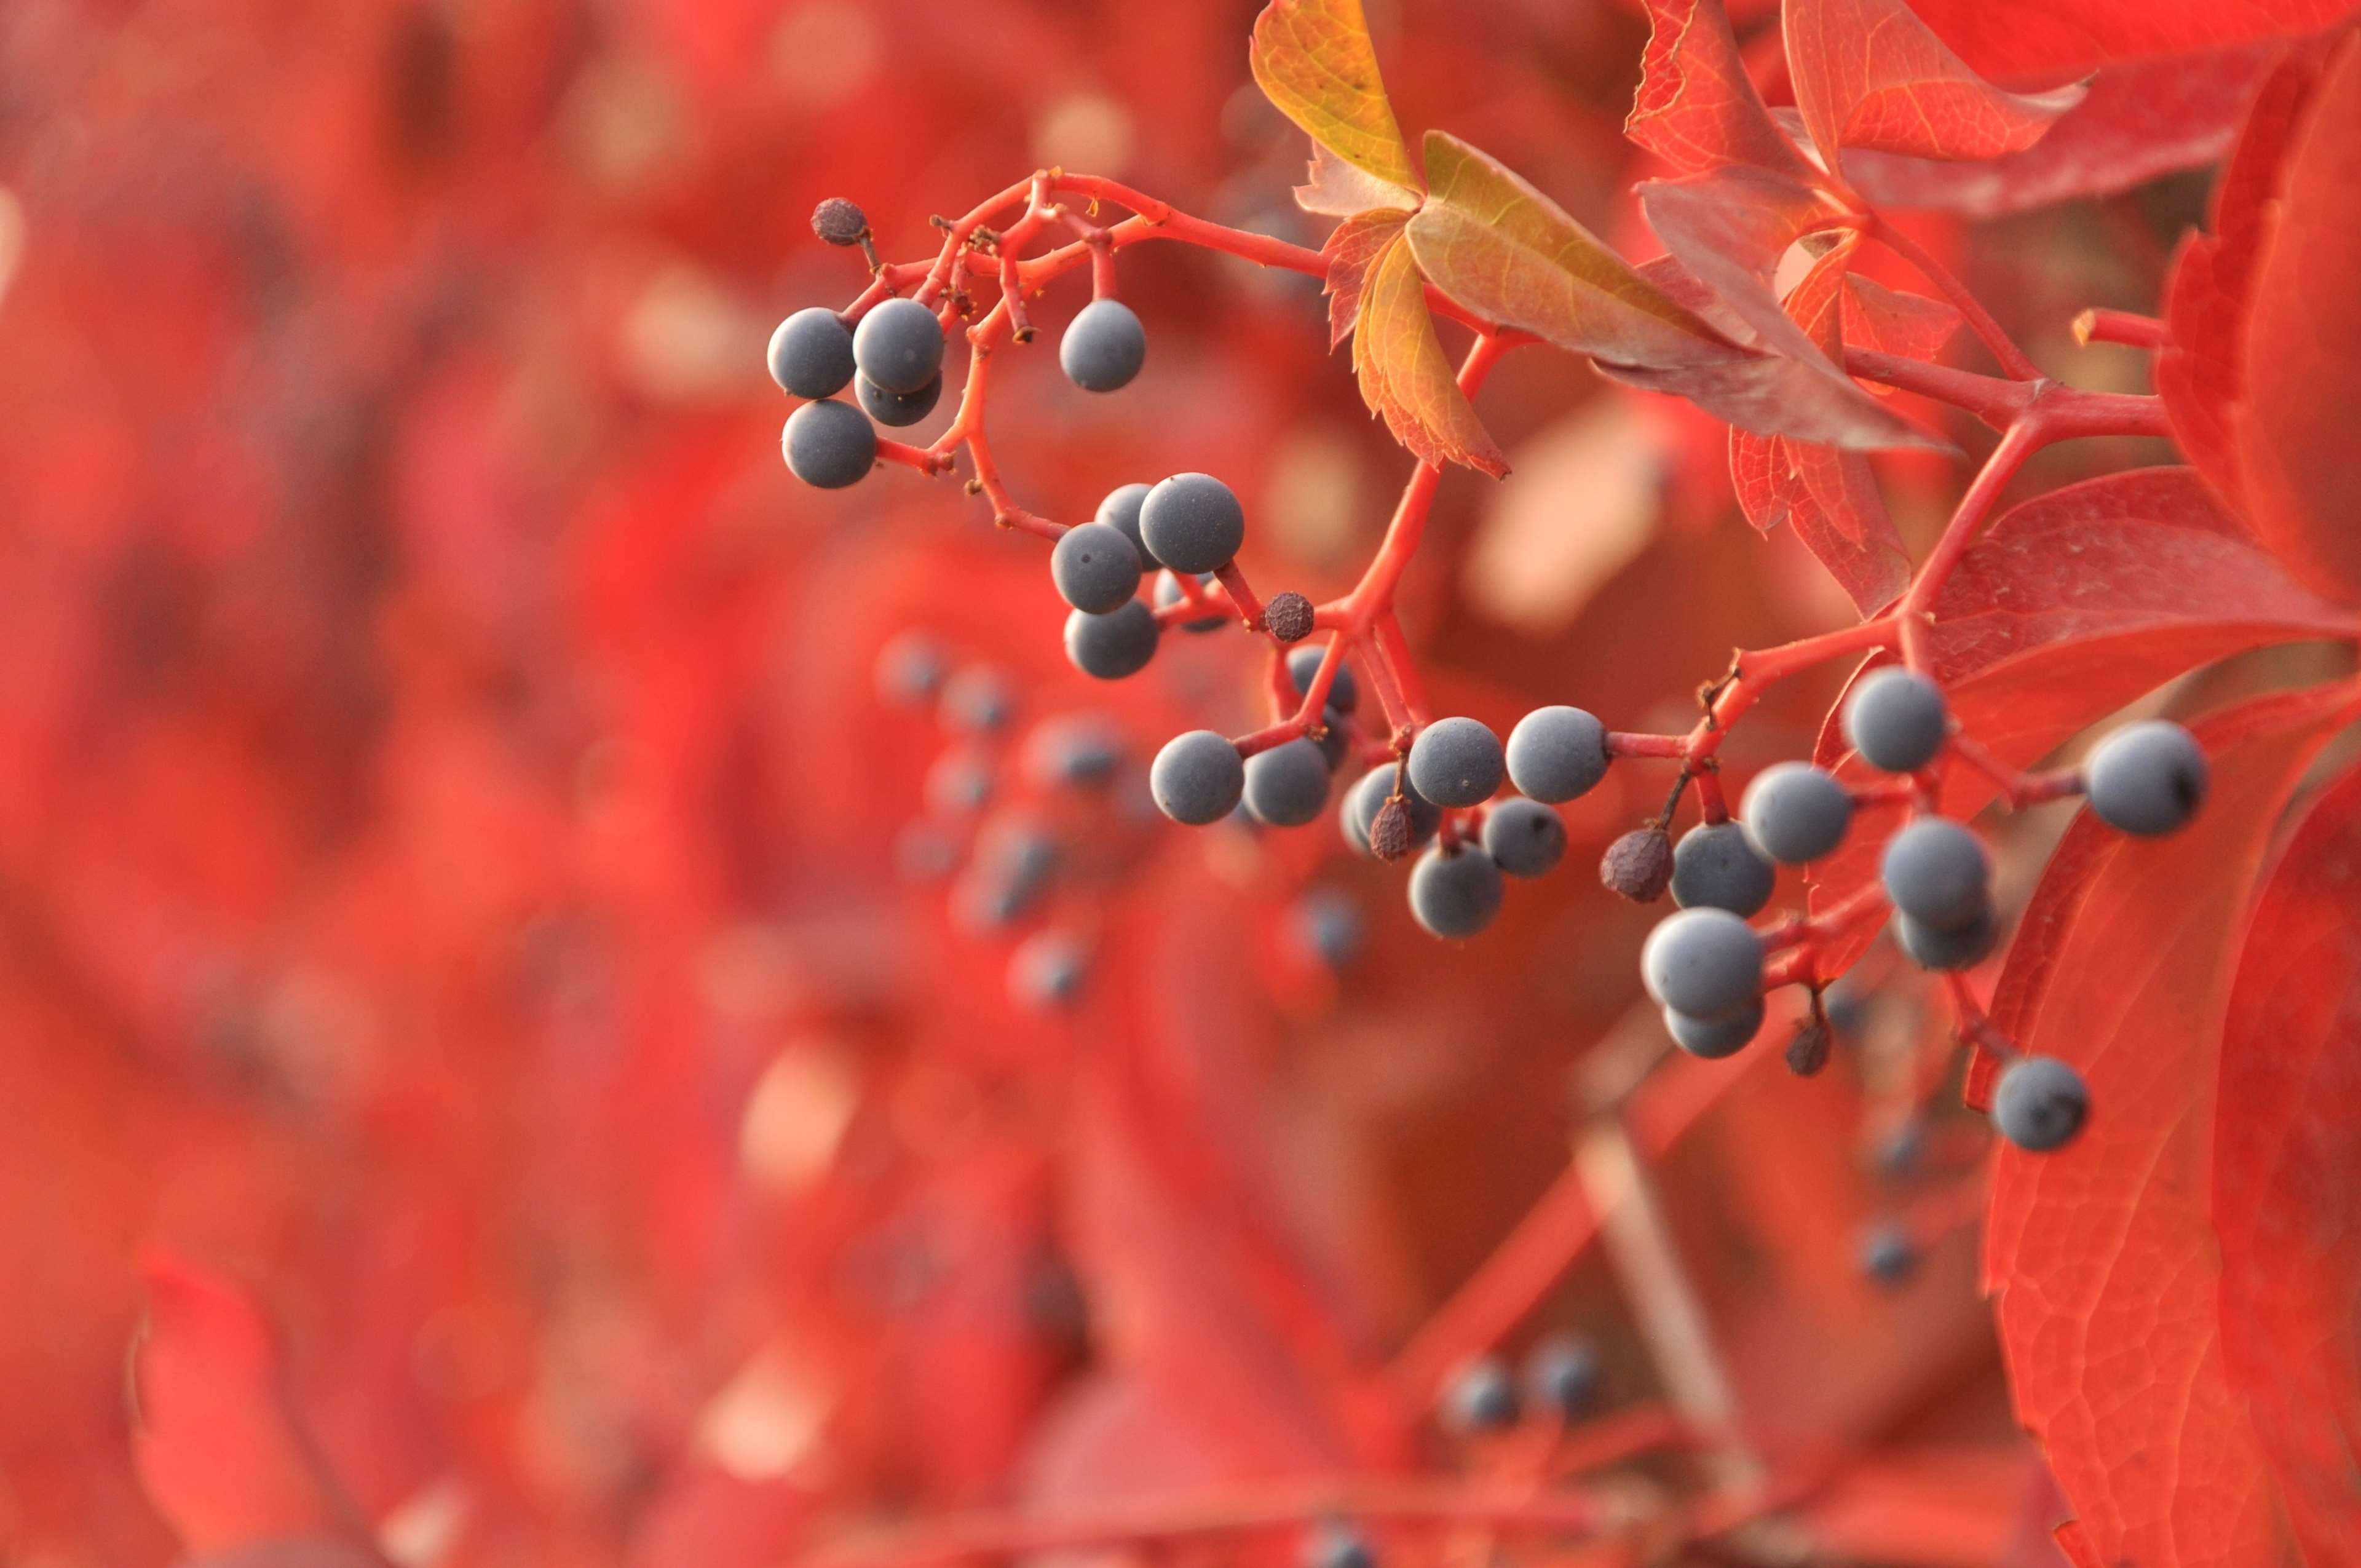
(1889, 321)
(1728, 231)
(2293, 429)
(1869, 74)
(2101, 1253)
(1405, 377)
(1353, 245)
(2073, 605)
(1313, 61)
(2200, 375)
(2287, 1172)
(221, 1448)
(1696, 108)
(2043, 41)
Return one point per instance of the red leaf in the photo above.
(2201, 375)
(2019, 40)
(1403, 373)
(1869, 74)
(2101, 1253)
(1888, 320)
(2287, 1172)
(1352, 248)
(1696, 108)
(2076, 603)
(221, 1448)
(2292, 433)
(2141, 119)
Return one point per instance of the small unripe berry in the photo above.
(1714, 1038)
(1197, 778)
(1557, 753)
(899, 344)
(1112, 646)
(811, 353)
(1639, 865)
(1795, 812)
(1896, 718)
(1455, 893)
(2147, 778)
(1103, 346)
(2039, 1103)
(1287, 616)
(1456, 761)
(1481, 1398)
(1192, 523)
(1715, 867)
(839, 222)
(1287, 786)
(1707, 963)
(1094, 568)
(828, 445)
(1524, 838)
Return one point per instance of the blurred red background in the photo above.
(446, 826)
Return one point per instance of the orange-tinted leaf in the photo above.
(2202, 373)
(1334, 189)
(1869, 74)
(1696, 108)
(2293, 429)
(1405, 376)
(2020, 40)
(221, 1448)
(2287, 1172)
(1353, 246)
(2101, 1253)
(1728, 231)
(1313, 60)
(1504, 250)
(1889, 321)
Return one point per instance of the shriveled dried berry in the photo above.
(1639, 865)
(1287, 616)
(839, 222)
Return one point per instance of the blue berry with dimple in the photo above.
(1715, 867)
(1094, 568)
(1524, 838)
(2147, 778)
(2039, 1103)
(1455, 893)
(897, 408)
(1481, 1398)
(1120, 510)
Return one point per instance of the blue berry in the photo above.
(1557, 753)
(1948, 947)
(1286, 786)
(1936, 873)
(1524, 838)
(811, 353)
(1563, 1374)
(2039, 1103)
(1338, 1546)
(899, 345)
(1168, 594)
(1455, 893)
(976, 700)
(1095, 568)
(1331, 742)
(911, 668)
(1329, 925)
(1368, 794)
(1019, 850)
(2147, 778)
(1715, 867)
(1481, 1398)
(1714, 1038)
(924, 852)
(1192, 523)
(1111, 647)
(1071, 750)
(828, 445)
(1343, 692)
(960, 783)
(983, 902)
(1888, 1255)
(1103, 346)
(898, 409)
(1456, 761)
(1707, 963)
(1121, 510)
(1896, 718)
(1046, 970)
(1197, 778)
(1795, 812)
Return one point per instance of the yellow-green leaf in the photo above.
(1510, 255)
(1405, 377)
(1354, 246)
(1314, 61)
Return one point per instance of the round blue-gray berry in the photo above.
(1046, 970)
(1896, 718)
(960, 783)
(1120, 510)
(1795, 812)
(1286, 786)
(1104, 347)
(1368, 794)
(1456, 761)
(2147, 778)
(1481, 1398)
(1715, 867)
(1524, 838)
(1330, 927)
(1707, 963)
(1073, 750)
(1563, 1374)
(1455, 893)
(1936, 873)
(1557, 753)
(976, 700)
(1888, 1255)
(899, 344)
(911, 668)
(1714, 1038)
(2039, 1103)
(898, 409)
(828, 445)
(1112, 646)
(1303, 664)
(1197, 778)
(811, 353)
(1094, 568)
(1947, 947)
(1192, 522)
